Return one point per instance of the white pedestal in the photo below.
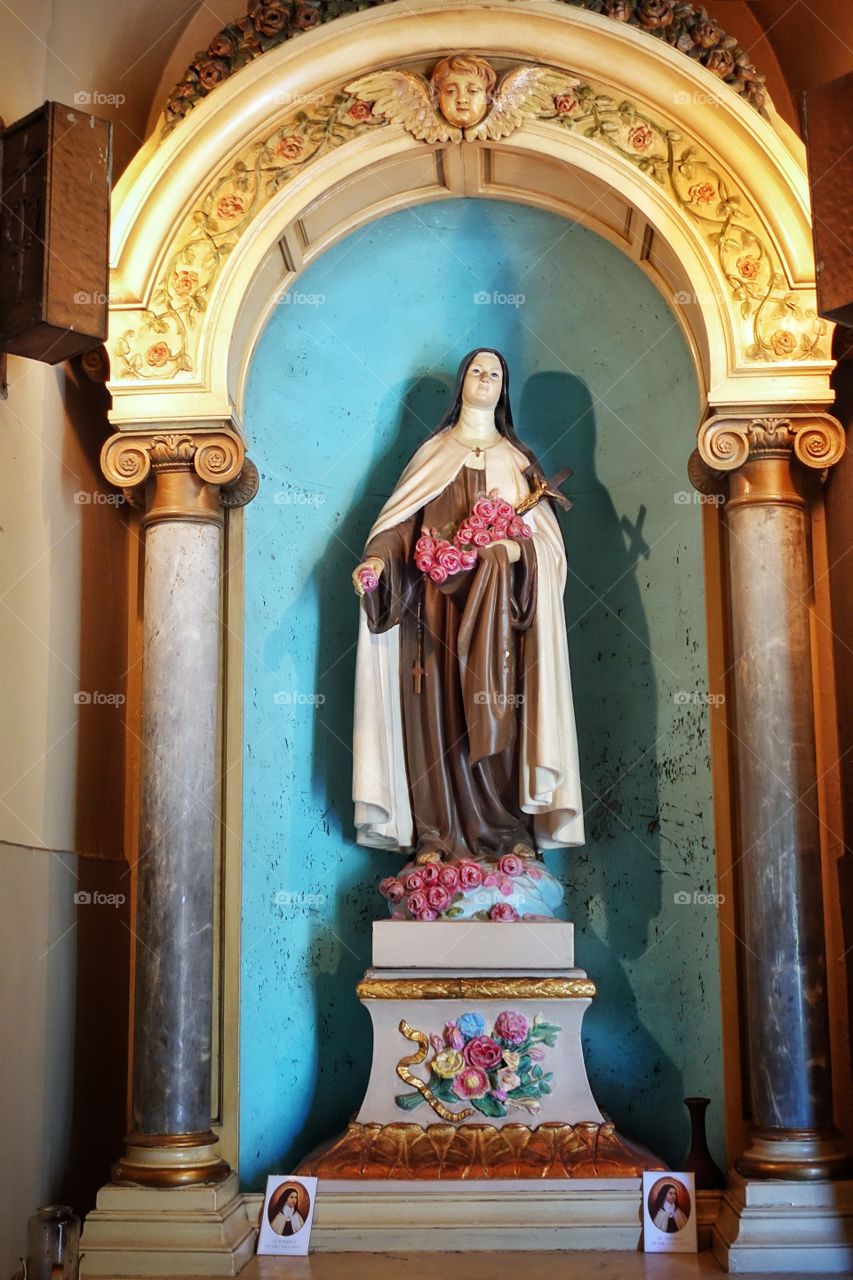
(179, 1231)
(785, 1227)
(556, 998)
(477, 1070)
(411, 984)
(473, 944)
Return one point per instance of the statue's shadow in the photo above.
(613, 884)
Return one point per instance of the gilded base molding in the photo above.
(470, 1151)
(125, 1173)
(170, 1160)
(795, 1155)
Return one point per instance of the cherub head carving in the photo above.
(462, 87)
(462, 100)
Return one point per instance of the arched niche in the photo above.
(214, 220)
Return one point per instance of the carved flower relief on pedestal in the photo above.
(494, 1071)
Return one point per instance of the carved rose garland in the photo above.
(781, 328)
(163, 348)
(686, 27)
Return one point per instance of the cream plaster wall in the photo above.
(36, 1024)
(63, 623)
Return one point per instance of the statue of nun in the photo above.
(465, 747)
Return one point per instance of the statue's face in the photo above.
(481, 386)
(462, 99)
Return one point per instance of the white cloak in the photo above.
(549, 778)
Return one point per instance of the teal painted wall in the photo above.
(349, 376)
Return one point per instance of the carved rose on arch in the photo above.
(461, 101)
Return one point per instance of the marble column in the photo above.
(772, 464)
(183, 479)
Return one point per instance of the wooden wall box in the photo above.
(54, 233)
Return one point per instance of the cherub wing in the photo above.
(404, 98)
(524, 91)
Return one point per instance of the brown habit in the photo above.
(460, 730)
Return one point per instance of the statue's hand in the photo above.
(374, 564)
(513, 550)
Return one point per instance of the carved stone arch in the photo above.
(199, 215)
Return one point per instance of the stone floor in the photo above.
(487, 1266)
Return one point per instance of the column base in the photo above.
(794, 1155)
(785, 1227)
(182, 1231)
(170, 1160)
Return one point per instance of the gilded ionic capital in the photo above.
(814, 438)
(188, 474)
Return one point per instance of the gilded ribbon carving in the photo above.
(413, 1060)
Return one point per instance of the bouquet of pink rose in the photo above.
(440, 559)
(436, 890)
(491, 519)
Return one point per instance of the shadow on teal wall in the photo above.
(353, 370)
